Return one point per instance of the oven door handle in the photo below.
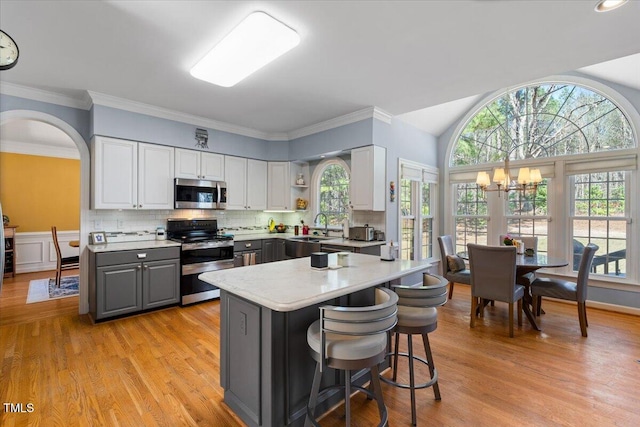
(204, 267)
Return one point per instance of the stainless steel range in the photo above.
(203, 250)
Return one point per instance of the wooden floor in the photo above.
(162, 368)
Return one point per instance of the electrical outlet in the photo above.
(97, 224)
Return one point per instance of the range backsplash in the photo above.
(236, 222)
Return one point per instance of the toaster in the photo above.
(361, 233)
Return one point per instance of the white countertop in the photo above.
(132, 246)
(292, 284)
(334, 241)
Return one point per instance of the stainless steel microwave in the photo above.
(200, 194)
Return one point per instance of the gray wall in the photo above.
(117, 123)
(75, 117)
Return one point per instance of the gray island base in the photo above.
(265, 366)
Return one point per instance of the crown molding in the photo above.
(34, 94)
(163, 113)
(91, 98)
(356, 116)
(43, 150)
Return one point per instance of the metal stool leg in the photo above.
(313, 398)
(412, 380)
(396, 346)
(432, 368)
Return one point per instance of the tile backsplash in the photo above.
(237, 222)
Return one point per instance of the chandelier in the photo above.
(527, 179)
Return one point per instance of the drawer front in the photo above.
(125, 257)
(247, 245)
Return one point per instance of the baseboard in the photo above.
(603, 306)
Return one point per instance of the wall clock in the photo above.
(8, 51)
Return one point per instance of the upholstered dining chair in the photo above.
(530, 242)
(453, 267)
(493, 277)
(572, 291)
(352, 338)
(67, 263)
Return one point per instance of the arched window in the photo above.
(586, 148)
(543, 120)
(332, 186)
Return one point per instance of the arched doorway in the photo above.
(85, 179)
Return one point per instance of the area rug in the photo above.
(45, 289)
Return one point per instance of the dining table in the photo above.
(526, 264)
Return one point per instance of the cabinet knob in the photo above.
(139, 206)
(146, 267)
(138, 267)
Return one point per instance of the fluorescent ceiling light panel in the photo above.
(255, 42)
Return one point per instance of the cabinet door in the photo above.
(160, 283)
(235, 170)
(155, 176)
(114, 174)
(187, 164)
(278, 250)
(367, 185)
(268, 251)
(279, 186)
(256, 185)
(212, 166)
(118, 289)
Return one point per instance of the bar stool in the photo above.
(352, 338)
(417, 314)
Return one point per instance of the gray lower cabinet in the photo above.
(126, 282)
(247, 252)
(273, 250)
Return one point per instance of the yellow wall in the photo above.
(37, 192)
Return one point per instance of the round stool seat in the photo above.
(346, 347)
(415, 317)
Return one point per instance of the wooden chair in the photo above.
(572, 291)
(68, 263)
(447, 252)
(493, 277)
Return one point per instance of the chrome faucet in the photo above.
(326, 223)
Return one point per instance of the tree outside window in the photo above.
(334, 194)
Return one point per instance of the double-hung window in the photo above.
(600, 215)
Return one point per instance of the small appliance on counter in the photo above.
(364, 233)
(161, 234)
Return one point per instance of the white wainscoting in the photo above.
(35, 250)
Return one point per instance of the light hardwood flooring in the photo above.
(162, 368)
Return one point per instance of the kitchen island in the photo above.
(265, 367)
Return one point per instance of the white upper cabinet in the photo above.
(256, 184)
(367, 185)
(246, 183)
(193, 164)
(155, 176)
(279, 188)
(131, 175)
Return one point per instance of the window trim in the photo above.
(315, 183)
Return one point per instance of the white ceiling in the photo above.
(427, 60)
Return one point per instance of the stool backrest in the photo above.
(432, 293)
(368, 320)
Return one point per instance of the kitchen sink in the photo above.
(302, 246)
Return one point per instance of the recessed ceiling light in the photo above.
(256, 41)
(607, 5)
